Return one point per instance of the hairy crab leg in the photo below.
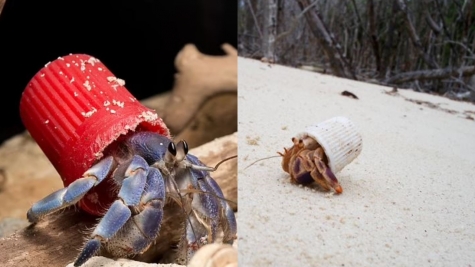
(153, 200)
(195, 236)
(144, 227)
(119, 213)
(325, 171)
(73, 193)
(228, 218)
(319, 179)
(207, 208)
(300, 168)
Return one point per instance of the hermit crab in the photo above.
(118, 162)
(321, 151)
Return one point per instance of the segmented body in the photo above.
(165, 198)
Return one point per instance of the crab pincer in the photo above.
(117, 161)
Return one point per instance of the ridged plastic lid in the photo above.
(340, 139)
(74, 108)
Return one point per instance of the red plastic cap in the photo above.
(75, 107)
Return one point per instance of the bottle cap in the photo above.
(75, 108)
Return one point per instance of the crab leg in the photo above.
(326, 172)
(195, 237)
(207, 207)
(149, 220)
(119, 213)
(73, 193)
(212, 204)
(228, 218)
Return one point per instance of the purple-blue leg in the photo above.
(208, 207)
(196, 237)
(149, 220)
(229, 219)
(214, 194)
(119, 213)
(73, 193)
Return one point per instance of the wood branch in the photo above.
(437, 74)
(414, 36)
(432, 24)
(199, 77)
(389, 53)
(256, 22)
(294, 22)
(56, 240)
(270, 29)
(374, 35)
(332, 49)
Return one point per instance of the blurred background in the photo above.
(137, 40)
(424, 45)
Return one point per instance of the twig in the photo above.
(437, 74)
(293, 24)
(255, 19)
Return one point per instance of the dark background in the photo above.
(137, 40)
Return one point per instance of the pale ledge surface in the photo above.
(103, 262)
(408, 199)
(100, 261)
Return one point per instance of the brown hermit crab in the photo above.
(321, 151)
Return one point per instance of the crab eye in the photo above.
(172, 148)
(185, 147)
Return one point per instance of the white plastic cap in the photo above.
(340, 140)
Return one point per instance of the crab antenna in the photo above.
(190, 190)
(210, 169)
(280, 155)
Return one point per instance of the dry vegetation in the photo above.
(425, 45)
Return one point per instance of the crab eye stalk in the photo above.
(182, 150)
(172, 148)
(185, 147)
(170, 154)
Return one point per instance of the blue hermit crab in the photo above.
(117, 161)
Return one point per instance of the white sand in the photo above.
(408, 199)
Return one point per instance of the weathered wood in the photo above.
(436, 74)
(57, 239)
(198, 77)
(52, 242)
(216, 117)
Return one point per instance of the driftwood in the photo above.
(56, 240)
(436, 74)
(216, 117)
(199, 77)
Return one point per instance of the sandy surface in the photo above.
(103, 262)
(408, 198)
